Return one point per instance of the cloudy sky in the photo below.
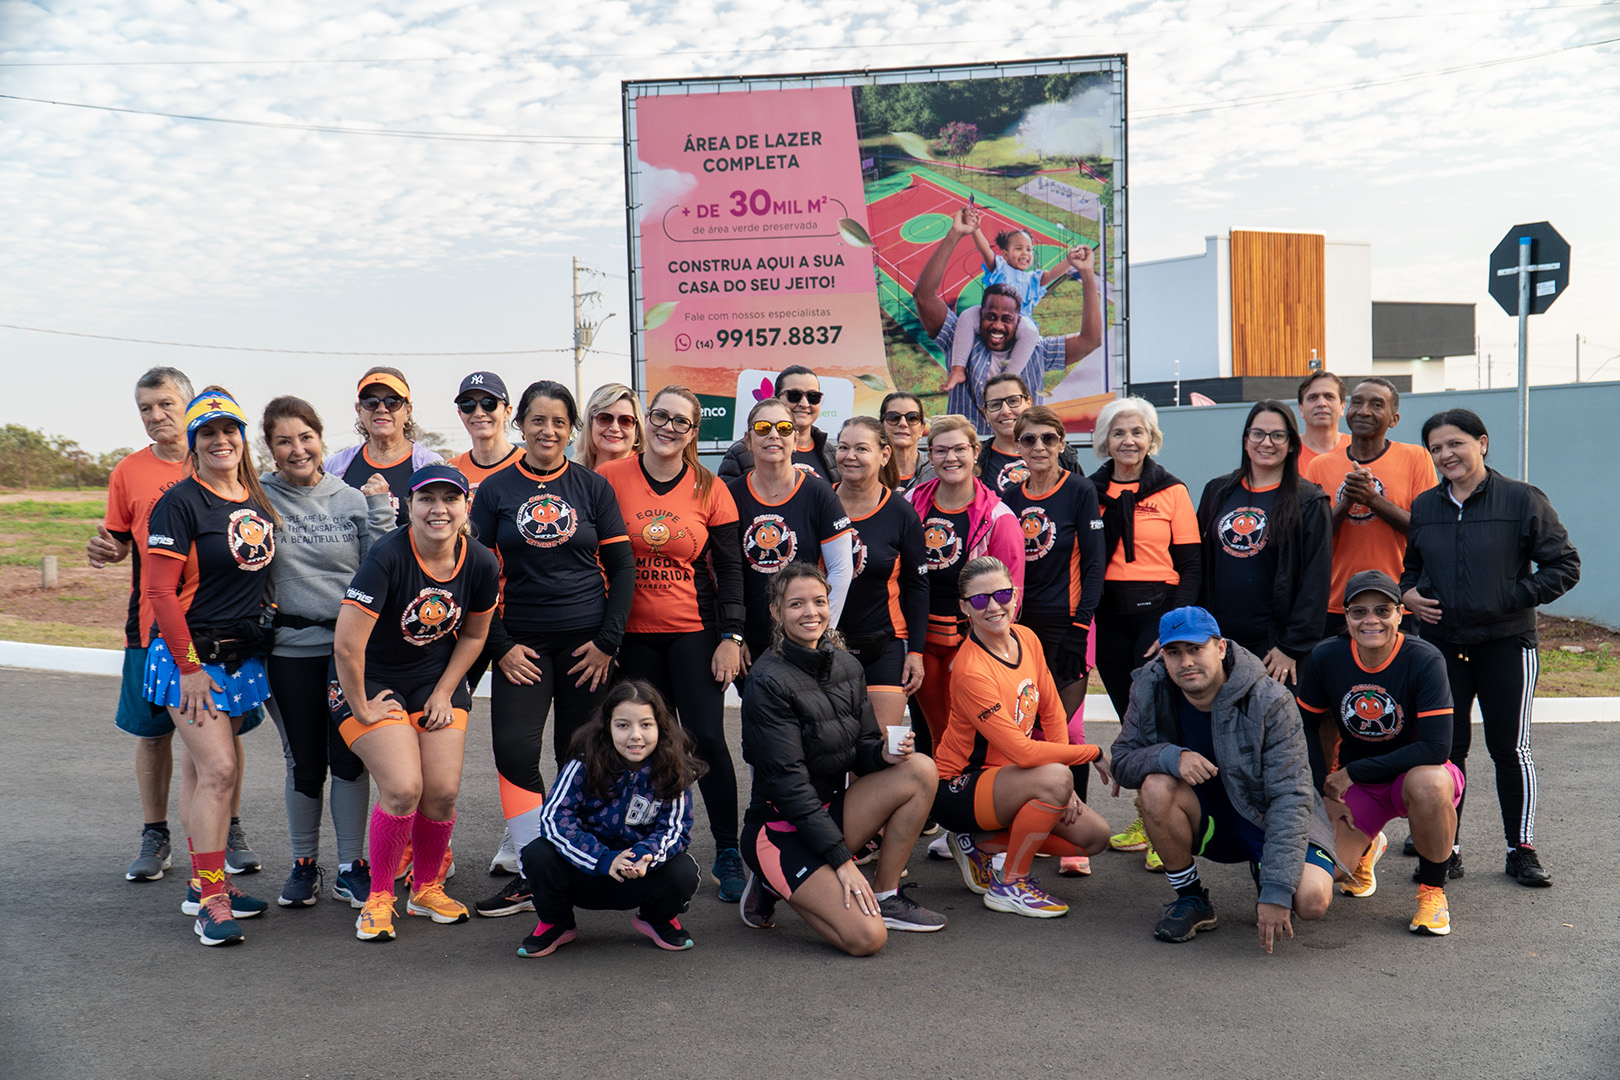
(414, 177)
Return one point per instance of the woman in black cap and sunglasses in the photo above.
(485, 412)
(799, 388)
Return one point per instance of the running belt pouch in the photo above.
(284, 621)
(231, 645)
(1136, 597)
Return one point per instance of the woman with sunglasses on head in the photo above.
(906, 427)
(212, 533)
(388, 457)
(807, 725)
(411, 624)
(567, 577)
(485, 410)
(961, 519)
(1001, 462)
(684, 634)
(994, 776)
(1267, 546)
(612, 427)
(799, 388)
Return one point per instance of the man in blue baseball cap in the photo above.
(1217, 750)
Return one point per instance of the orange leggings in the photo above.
(934, 698)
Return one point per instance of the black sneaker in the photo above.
(901, 912)
(869, 853)
(665, 933)
(354, 884)
(303, 888)
(758, 904)
(1184, 917)
(514, 897)
(154, 857)
(1409, 849)
(728, 872)
(1524, 867)
(1454, 867)
(546, 939)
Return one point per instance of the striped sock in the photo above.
(1185, 882)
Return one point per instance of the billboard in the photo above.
(852, 221)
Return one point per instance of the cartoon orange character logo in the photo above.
(433, 611)
(546, 520)
(251, 539)
(769, 544)
(1029, 701)
(1039, 532)
(431, 614)
(944, 546)
(1369, 712)
(656, 533)
(1243, 532)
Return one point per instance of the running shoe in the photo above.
(1152, 862)
(930, 827)
(353, 884)
(901, 912)
(1024, 897)
(976, 866)
(214, 925)
(940, 846)
(1433, 916)
(437, 905)
(239, 857)
(447, 868)
(243, 906)
(1362, 881)
(546, 939)
(1454, 868)
(513, 898)
(505, 860)
(1525, 867)
(869, 853)
(153, 859)
(730, 874)
(665, 933)
(758, 903)
(303, 888)
(376, 921)
(1184, 917)
(1074, 866)
(1134, 838)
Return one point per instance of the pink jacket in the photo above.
(993, 528)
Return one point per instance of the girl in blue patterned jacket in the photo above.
(614, 830)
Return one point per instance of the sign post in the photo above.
(1529, 270)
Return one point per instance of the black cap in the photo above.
(438, 473)
(486, 381)
(1371, 581)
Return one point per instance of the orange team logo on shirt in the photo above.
(1012, 474)
(1029, 701)
(334, 696)
(769, 544)
(1368, 712)
(858, 550)
(431, 614)
(1357, 512)
(944, 546)
(251, 539)
(546, 520)
(1039, 532)
(1243, 532)
(657, 533)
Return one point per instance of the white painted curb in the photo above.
(77, 661)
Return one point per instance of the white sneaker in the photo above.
(941, 847)
(506, 859)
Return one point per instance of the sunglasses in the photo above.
(783, 428)
(472, 405)
(393, 403)
(902, 417)
(665, 418)
(1011, 401)
(1030, 440)
(607, 419)
(980, 601)
(793, 397)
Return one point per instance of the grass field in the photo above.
(32, 528)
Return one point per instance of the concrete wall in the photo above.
(1574, 447)
(1182, 308)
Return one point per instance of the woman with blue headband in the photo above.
(212, 535)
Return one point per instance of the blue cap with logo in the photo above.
(438, 473)
(1192, 624)
(484, 382)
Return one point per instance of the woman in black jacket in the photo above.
(1468, 576)
(806, 724)
(1267, 546)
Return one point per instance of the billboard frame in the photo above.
(1116, 335)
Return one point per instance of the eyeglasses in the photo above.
(1383, 611)
(607, 419)
(1029, 440)
(1278, 437)
(793, 397)
(665, 418)
(980, 601)
(393, 403)
(951, 451)
(783, 428)
(902, 417)
(1011, 401)
(472, 405)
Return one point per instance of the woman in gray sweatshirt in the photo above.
(328, 528)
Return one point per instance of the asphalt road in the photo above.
(100, 977)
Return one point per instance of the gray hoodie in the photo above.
(325, 532)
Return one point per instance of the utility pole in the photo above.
(1577, 358)
(584, 329)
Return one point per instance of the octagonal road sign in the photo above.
(1549, 268)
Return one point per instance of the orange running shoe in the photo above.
(1433, 916)
(376, 921)
(437, 905)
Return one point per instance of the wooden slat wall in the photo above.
(1278, 302)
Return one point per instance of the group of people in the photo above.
(848, 583)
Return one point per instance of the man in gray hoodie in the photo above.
(1217, 749)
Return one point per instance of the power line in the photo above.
(294, 352)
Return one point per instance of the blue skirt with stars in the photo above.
(244, 689)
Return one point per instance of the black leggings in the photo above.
(559, 887)
(1502, 675)
(1121, 640)
(298, 687)
(517, 714)
(678, 665)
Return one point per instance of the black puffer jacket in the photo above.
(806, 721)
(739, 460)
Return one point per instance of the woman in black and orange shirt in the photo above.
(687, 615)
(214, 531)
(566, 584)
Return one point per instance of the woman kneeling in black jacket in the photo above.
(806, 723)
